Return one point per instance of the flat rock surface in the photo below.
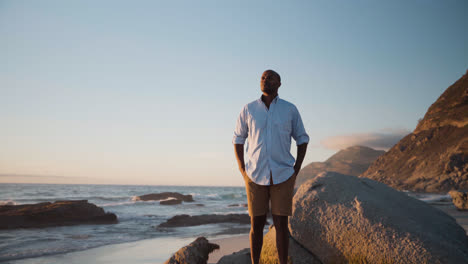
(164, 196)
(342, 218)
(59, 213)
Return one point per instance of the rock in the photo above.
(346, 219)
(195, 253)
(164, 196)
(460, 200)
(59, 213)
(350, 161)
(238, 205)
(187, 220)
(170, 201)
(239, 257)
(434, 158)
(297, 253)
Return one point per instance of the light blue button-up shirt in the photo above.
(268, 133)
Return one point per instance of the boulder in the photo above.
(164, 196)
(239, 257)
(346, 219)
(170, 201)
(297, 253)
(459, 199)
(195, 253)
(188, 220)
(59, 213)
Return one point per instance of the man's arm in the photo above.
(301, 151)
(239, 151)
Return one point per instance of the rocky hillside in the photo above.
(350, 161)
(434, 158)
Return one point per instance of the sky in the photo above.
(148, 92)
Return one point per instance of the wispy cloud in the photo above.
(383, 139)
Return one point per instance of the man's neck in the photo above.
(268, 98)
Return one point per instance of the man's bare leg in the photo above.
(256, 237)
(282, 237)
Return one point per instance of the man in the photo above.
(270, 172)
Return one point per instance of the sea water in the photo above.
(137, 220)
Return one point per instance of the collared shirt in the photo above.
(268, 133)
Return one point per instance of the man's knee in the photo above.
(257, 223)
(280, 221)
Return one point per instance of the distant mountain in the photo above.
(434, 158)
(350, 161)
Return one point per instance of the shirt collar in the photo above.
(275, 100)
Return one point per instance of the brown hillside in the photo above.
(350, 161)
(434, 158)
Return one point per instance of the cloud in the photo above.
(383, 139)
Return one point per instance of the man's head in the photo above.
(270, 82)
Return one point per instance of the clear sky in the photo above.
(148, 92)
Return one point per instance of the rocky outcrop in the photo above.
(164, 196)
(297, 253)
(350, 161)
(434, 158)
(239, 257)
(59, 213)
(188, 220)
(195, 253)
(346, 219)
(171, 201)
(460, 200)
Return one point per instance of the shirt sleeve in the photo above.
(241, 130)
(298, 132)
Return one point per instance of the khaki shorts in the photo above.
(259, 196)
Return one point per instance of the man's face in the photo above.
(269, 83)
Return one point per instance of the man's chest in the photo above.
(275, 120)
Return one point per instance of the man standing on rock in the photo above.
(270, 172)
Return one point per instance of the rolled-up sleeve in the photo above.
(241, 130)
(298, 132)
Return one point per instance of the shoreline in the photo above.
(158, 250)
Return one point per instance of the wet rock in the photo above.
(59, 213)
(187, 220)
(164, 196)
(459, 199)
(195, 253)
(172, 201)
(238, 205)
(346, 219)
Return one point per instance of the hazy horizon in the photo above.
(118, 92)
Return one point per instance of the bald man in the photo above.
(270, 172)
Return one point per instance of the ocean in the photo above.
(138, 220)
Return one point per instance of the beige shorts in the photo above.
(280, 195)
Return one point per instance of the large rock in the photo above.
(350, 161)
(59, 213)
(434, 158)
(188, 220)
(170, 201)
(195, 253)
(460, 200)
(239, 257)
(346, 219)
(297, 253)
(164, 196)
